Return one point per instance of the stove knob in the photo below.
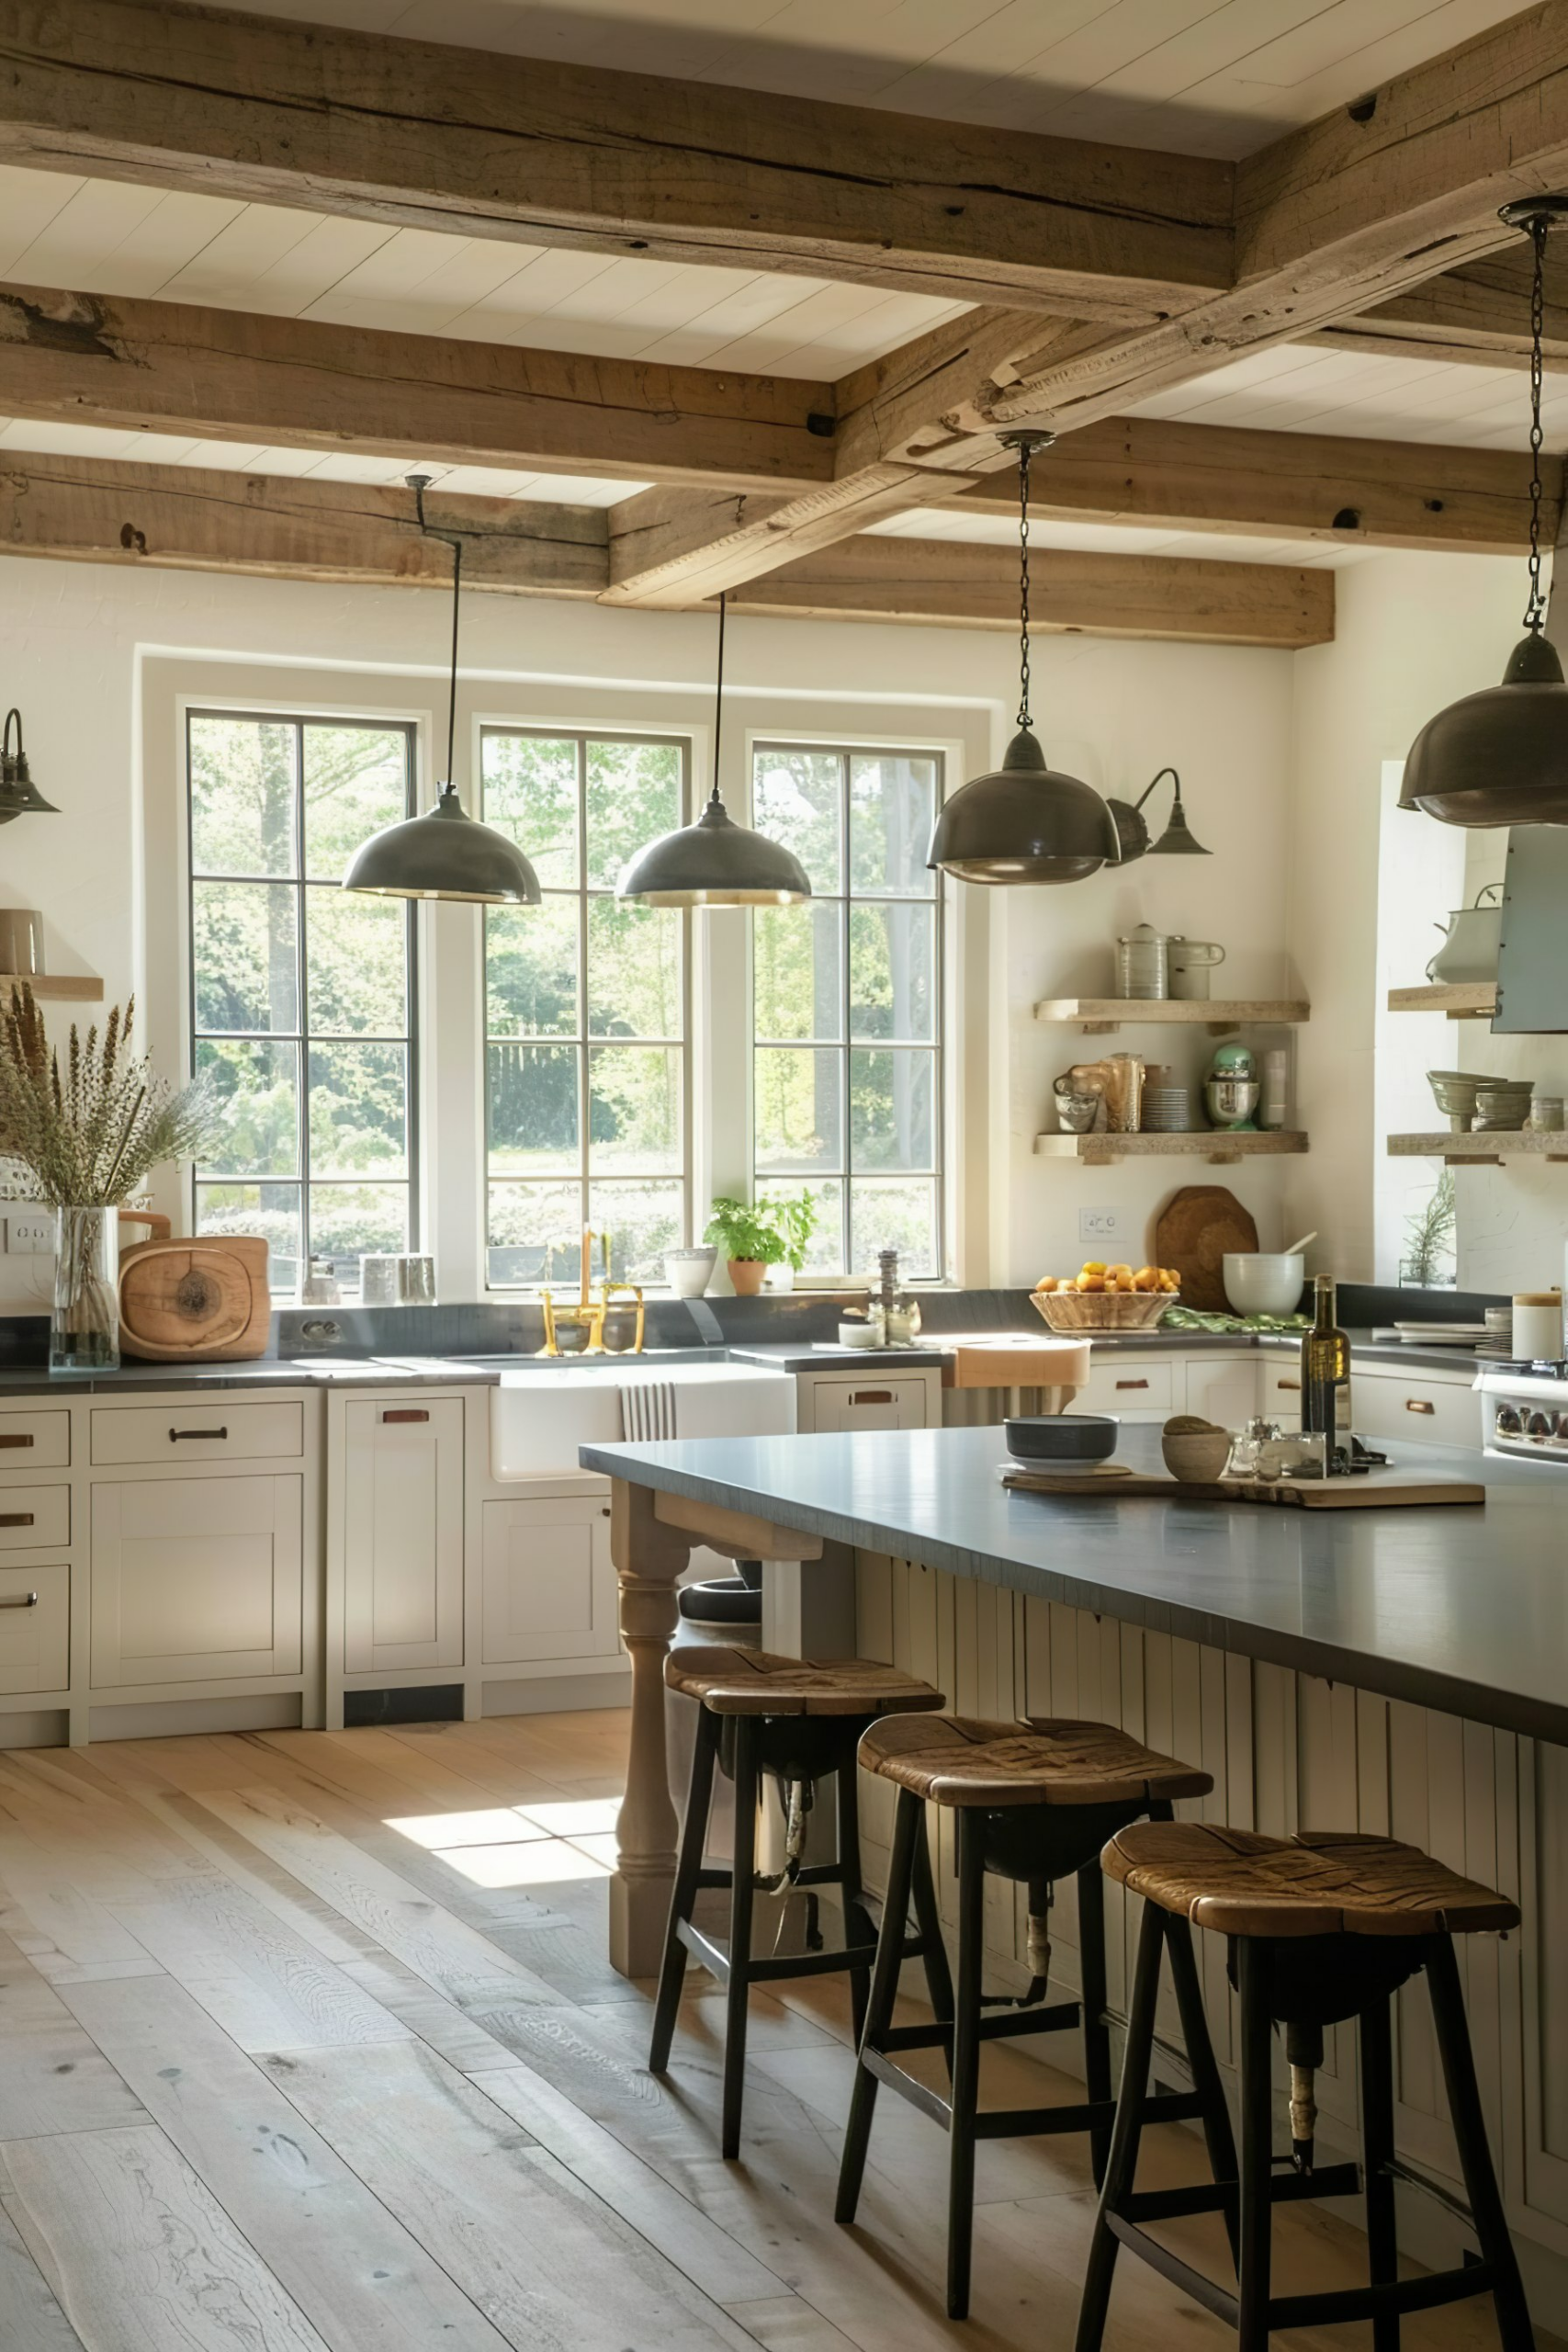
(1539, 1425)
(1508, 1422)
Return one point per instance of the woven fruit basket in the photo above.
(1103, 1310)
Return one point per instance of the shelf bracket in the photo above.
(1470, 1161)
(1100, 1028)
(1222, 1028)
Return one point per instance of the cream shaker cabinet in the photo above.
(549, 1587)
(196, 1580)
(400, 1513)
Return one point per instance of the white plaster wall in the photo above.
(75, 636)
(1413, 632)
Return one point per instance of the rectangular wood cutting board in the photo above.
(1369, 1493)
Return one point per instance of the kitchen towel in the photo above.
(648, 1410)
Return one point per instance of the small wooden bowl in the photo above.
(1197, 1456)
(1103, 1310)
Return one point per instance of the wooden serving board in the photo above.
(1192, 1233)
(1369, 1493)
(189, 1301)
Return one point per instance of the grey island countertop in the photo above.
(1460, 1608)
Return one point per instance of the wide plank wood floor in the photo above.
(308, 2040)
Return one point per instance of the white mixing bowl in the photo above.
(1264, 1282)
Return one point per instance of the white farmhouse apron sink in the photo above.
(539, 1416)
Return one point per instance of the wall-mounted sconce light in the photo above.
(19, 796)
(1178, 838)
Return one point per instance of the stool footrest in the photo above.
(716, 1960)
(1218, 2196)
(1335, 2306)
(1009, 2122)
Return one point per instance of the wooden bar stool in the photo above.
(798, 1721)
(1031, 1803)
(1324, 1927)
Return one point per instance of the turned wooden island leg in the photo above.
(652, 1535)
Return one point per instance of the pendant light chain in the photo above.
(714, 797)
(1541, 228)
(1025, 450)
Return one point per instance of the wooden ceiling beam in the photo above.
(224, 375)
(278, 527)
(1474, 317)
(958, 584)
(1308, 486)
(536, 151)
(1352, 211)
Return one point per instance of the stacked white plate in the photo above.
(1166, 1110)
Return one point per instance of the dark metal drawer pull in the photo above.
(17, 1441)
(409, 1413)
(175, 1435)
(16, 1519)
(29, 1603)
(1419, 1404)
(1132, 1383)
(871, 1397)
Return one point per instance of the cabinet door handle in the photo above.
(16, 1518)
(1419, 1404)
(1287, 1383)
(176, 1436)
(10, 1441)
(1132, 1383)
(407, 1413)
(28, 1601)
(871, 1397)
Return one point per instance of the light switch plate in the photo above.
(29, 1236)
(1103, 1225)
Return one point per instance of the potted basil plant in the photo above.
(755, 1234)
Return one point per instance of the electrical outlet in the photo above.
(1103, 1225)
(29, 1236)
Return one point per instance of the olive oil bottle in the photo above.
(1326, 1377)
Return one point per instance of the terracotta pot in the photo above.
(746, 1274)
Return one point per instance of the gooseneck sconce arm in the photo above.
(19, 796)
(1132, 830)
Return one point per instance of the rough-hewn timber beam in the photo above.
(967, 586)
(1351, 211)
(95, 511)
(1478, 317)
(1284, 485)
(534, 151)
(223, 375)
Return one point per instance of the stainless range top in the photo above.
(1524, 1407)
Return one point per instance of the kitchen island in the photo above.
(1397, 1670)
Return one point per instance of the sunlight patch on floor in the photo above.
(542, 1861)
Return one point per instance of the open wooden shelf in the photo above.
(1460, 1000)
(1213, 1143)
(1459, 1150)
(1217, 1014)
(77, 988)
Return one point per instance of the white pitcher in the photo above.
(1192, 961)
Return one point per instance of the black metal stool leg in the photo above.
(1217, 2135)
(1255, 1972)
(927, 1922)
(908, 1827)
(740, 1897)
(1377, 2153)
(1475, 2158)
(1122, 2163)
(1096, 2032)
(684, 1894)
(965, 2064)
(858, 1928)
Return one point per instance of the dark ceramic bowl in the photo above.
(1065, 1438)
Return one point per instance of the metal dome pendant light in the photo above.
(1024, 821)
(1500, 757)
(446, 853)
(715, 862)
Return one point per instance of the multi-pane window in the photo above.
(847, 1004)
(585, 1010)
(301, 994)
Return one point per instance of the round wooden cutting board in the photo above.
(195, 1302)
(1192, 1233)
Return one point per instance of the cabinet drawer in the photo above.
(1118, 1384)
(1441, 1412)
(180, 1432)
(35, 1628)
(869, 1404)
(34, 1518)
(35, 1441)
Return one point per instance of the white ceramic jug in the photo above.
(1470, 950)
(1192, 961)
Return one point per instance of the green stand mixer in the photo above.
(1231, 1090)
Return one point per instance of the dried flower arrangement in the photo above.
(89, 1135)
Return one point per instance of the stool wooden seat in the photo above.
(1319, 1882)
(756, 1682)
(1033, 1802)
(952, 1761)
(1324, 1927)
(794, 1721)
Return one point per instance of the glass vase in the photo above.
(83, 1331)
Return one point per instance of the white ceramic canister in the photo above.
(1192, 961)
(1538, 1327)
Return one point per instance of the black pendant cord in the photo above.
(419, 484)
(715, 801)
(1025, 450)
(1541, 228)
